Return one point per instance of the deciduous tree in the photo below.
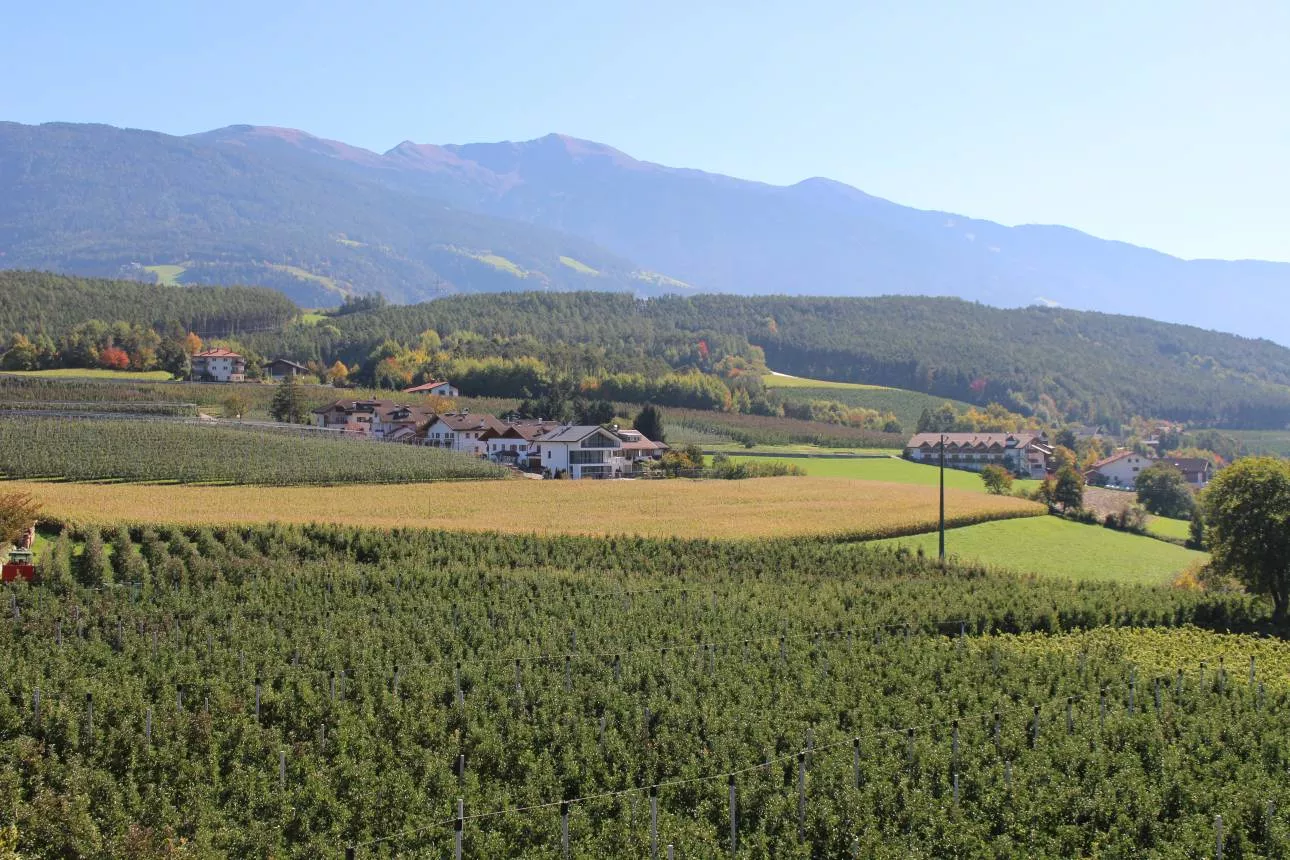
(1163, 491)
(997, 479)
(1247, 527)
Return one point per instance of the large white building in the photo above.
(581, 451)
(1025, 454)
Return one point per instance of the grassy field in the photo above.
(760, 507)
(1169, 528)
(1051, 546)
(906, 405)
(306, 275)
(783, 380)
(94, 373)
(891, 469)
(311, 318)
(168, 275)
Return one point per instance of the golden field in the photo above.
(759, 507)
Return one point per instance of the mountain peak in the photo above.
(271, 135)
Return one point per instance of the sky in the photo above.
(1164, 124)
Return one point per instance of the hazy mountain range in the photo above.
(317, 218)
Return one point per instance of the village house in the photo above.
(218, 365)
(581, 451)
(462, 431)
(637, 449)
(1121, 469)
(439, 388)
(1197, 471)
(280, 368)
(352, 416)
(395, 422)
(513, 445)
(1026, 454)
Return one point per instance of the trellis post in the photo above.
(653, 822)
(734, 817)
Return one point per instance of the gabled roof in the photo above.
(1114, 458)
(289, 363)
(574, 433)
(425, 386)
(464, 422)
(527, 430)
(218, 352)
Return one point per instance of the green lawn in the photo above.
(1169, 528)
(95, 373)
(891, 469)
(1050, 546)
(782, 380)
(168, 275)
(311, 318)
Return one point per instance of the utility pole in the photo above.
(942, 529)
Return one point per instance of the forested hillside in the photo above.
(1056, 363)
(709, 351)
(43, 303)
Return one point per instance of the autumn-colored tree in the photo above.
(338, 373)
(114, 358)
(18, 511)
(192, 343)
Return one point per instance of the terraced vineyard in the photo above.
(294, 692)
(164, 451)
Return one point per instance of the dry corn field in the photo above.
(761, 507)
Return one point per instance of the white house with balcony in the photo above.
(218, 365)
(581, 451)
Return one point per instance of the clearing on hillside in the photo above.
(905, 404)
(167, 275)
(757, 507)
(1051, 546)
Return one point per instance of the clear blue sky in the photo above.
(1166, 124)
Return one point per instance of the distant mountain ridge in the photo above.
(423, 220)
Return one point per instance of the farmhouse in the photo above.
(218, 365)
(1118, 470)
(439, 388)
(581, 451)
(280, 368)
(1026, 454)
